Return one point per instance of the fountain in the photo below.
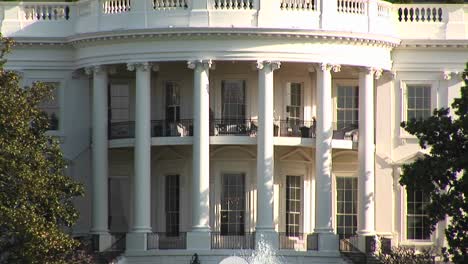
(263, 254)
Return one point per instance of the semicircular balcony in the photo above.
(112, 17)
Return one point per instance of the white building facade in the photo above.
(204, 126)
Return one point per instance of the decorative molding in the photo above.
(96, 69)
(344, 38)
(274, 65)
(139, 66)
(328, 67)
(193, 64)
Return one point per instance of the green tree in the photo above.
(35, 196)
(443, 173)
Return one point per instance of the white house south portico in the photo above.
(206, 126)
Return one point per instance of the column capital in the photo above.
(206, 64)
(96, 69)
(142, 66)
(376, 72)
(275, 65)
(328, 67)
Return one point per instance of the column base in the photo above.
(268, 236)
(136, 241)
(102, 241)
(199, 240)
(328, 242)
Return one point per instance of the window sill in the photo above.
(418, 243)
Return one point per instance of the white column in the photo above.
(199, 237)
(366, 151)
(323, 159)
(265, 154)
(136, 240)
(99, 222)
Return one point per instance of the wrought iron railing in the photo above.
(162, 240)
(159, 128)
(347, 132)
(122, 130)
(294, 241)
(163, 128)
(233, 127)
(346, 245)
(118, 242)
(294, 128)
(221, 241)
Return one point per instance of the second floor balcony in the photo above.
(71, 20)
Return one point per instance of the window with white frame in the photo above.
(294, 104)
(346, 206)
(347, 106)
(418, 101)
(51, 106)
(417, 224)
(172, 102)
(172, 207)
(232, 204)
(233, 99)
(293, 205)
(119, 103)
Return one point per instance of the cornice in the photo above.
(338, 37)
(434, 43)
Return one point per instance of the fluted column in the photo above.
(265, 153)
(366, 152)
(99, 198)
(199, 237)
(142, 163)
(323, 158)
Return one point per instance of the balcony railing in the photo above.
(163, 128)
(161, 240)
(159, 128)
(233, 127)
(293, 241)
(294, 128)
(63, 19)
(347, 132)
(220, 241)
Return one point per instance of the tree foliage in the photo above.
(405, 255)
(35, 196)
(443, 173)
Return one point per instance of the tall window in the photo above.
(418, 101)
(347, 107)
(233, 204)
(346, 206)
(119, 103)
(51, 106)
(233, 99)
(294, 106)
(293, 205)
(417, 227)
(172, 102)
(172, 204)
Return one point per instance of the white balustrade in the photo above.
(116, 6)
(299, 5)
(169, 4)
(420, 14)
(384, 9)
(46, 12)
(233, 4)
(358, 7)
